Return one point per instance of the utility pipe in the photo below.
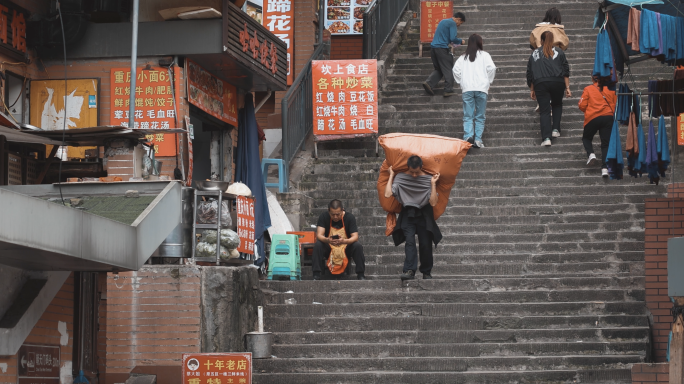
(134, 62)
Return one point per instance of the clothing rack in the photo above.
(649, 93)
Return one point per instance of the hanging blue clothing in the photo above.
(663, 147)
(614, 159)
(640, 165)
(623, 105)
(648, 32)
(679, 23)
(658, 50)
(248, 171)
(603, 59)
(669, 36)
(652, 155)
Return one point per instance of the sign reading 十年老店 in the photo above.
(13, 30)
(155, 106)
(245, 216)
(217, 368)
(431, 13)
(279, 19)
(211, 94)
(345, 97)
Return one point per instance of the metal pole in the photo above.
(134, 62)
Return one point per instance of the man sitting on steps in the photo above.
(336, 231)
(416, 191)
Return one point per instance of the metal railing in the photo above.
(297, 112)
(379, 21)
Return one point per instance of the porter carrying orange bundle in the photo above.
(415, 181)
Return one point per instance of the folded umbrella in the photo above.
(652, 155)
(614, 159)
(663, 147)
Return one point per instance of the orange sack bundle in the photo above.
(440, 154)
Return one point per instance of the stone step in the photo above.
(446, 337)
(462, 323)
(516, 247)
(382, 376)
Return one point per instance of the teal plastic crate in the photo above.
(284, 262)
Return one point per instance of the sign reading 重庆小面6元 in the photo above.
(211, 94)
(245, 216)
(279, 19)
(431, 13)
(345, 97)
(154, 103)
(217, 368)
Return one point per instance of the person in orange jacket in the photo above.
(598, 104)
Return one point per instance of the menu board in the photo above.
(345, 17)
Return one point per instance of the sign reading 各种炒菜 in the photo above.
(345, 97)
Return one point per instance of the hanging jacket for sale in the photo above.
(652, 155)
(614, 160)
(663, 147)
(603, 59)
(648, 33)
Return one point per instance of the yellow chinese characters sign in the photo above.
(217, 368)
(431, 13)
(345, 97)
(48, 99)
(155, 105)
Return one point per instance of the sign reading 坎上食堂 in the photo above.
(155, 105)
(345, 97)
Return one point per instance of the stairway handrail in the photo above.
(379, 20)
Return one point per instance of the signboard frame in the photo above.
(246, 223)
(427, 23)
(24, 372)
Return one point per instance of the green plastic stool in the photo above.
(284, 262)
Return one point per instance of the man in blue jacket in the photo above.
(446, 34)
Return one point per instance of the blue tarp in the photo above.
(248, 171)
(614, 160)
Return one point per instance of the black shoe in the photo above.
(471, 140)
(428, 88)
(317, 276)
(360, 276)
(447, 94)
(408, 275)
(427, 276)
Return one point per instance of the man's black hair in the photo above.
(335, 204)
(459, 15)
(414, 162)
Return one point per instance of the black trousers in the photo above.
(604, 126)
(321, 253)
(411, 228)
(443, 63)
(550, 96)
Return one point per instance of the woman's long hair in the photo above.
(474, 45)
(547, 43)
(553, 16)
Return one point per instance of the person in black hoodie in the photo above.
(548, 76)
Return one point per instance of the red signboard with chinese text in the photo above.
(154, 103)
(38, 361)
(245, 215)
(211, 94)
(431, 13)
(680, 129)
(13, 30)
(217, 368)
(279, 19)
(345, 97)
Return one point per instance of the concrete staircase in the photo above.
(540, 276)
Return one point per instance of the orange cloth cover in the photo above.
(440, 154)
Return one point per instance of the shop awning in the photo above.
(103, 231)
(95, 136)
(16, 136)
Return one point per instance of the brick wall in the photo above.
(346, 47)
(45, 332)
(152, 318)
(659, 228)
(650, 373)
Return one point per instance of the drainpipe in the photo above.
(134, 62)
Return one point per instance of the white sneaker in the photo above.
(555, 133)
(592, 159)
(546, 143)
(479, 144)
(604, 172)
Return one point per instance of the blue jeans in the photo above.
(474, 108)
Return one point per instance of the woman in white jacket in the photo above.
(474, 71)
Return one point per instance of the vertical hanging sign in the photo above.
(345, 97)
(279, 19)
(245, 215)
(431, 13)
(680, 129)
